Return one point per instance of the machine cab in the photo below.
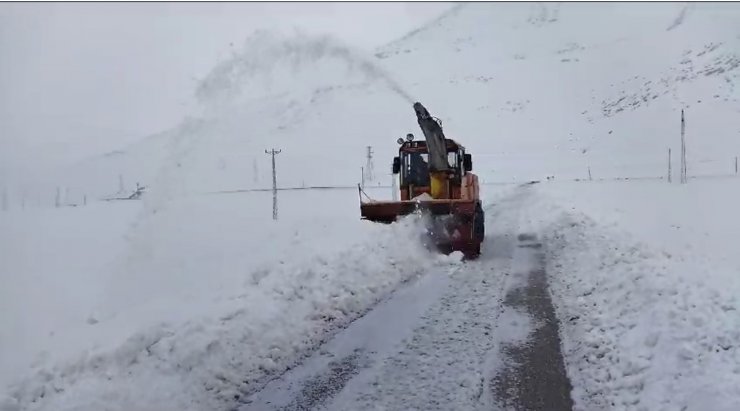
(412, 164)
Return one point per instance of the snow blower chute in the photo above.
(435, 180)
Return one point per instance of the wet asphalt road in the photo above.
(535, 379)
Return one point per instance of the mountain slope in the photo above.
(561, 87)
(531, 90)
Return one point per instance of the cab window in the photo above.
(416, 168)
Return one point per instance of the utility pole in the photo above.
(684, 177)
(669, 165)
(58, 198)
(369, 169)
(589, 173)
(255, 171)
(735, 165)
(273, 153)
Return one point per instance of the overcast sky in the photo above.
(79, 78)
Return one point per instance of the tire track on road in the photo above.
(535, 378)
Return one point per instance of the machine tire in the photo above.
(479, 227)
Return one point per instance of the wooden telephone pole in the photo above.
(273, 153)
(684, 174)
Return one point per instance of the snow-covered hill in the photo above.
(531, 89)
(551, 89)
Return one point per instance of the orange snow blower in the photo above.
(435, 180)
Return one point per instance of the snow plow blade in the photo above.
(389, 211)
(454, 225)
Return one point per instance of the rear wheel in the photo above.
(471, 251)
(479, 227)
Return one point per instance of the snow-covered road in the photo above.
(451, 339)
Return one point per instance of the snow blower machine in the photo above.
(436, 182)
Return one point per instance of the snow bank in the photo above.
(642, 328)
(201, 347)
(52, 270)
(641, 331)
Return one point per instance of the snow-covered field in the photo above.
(186, 300)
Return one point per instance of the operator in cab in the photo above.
(418, 170)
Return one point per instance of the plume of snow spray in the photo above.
(264, 59)
(265, 53)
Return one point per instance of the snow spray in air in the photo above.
(268, 65)
(257, 68)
